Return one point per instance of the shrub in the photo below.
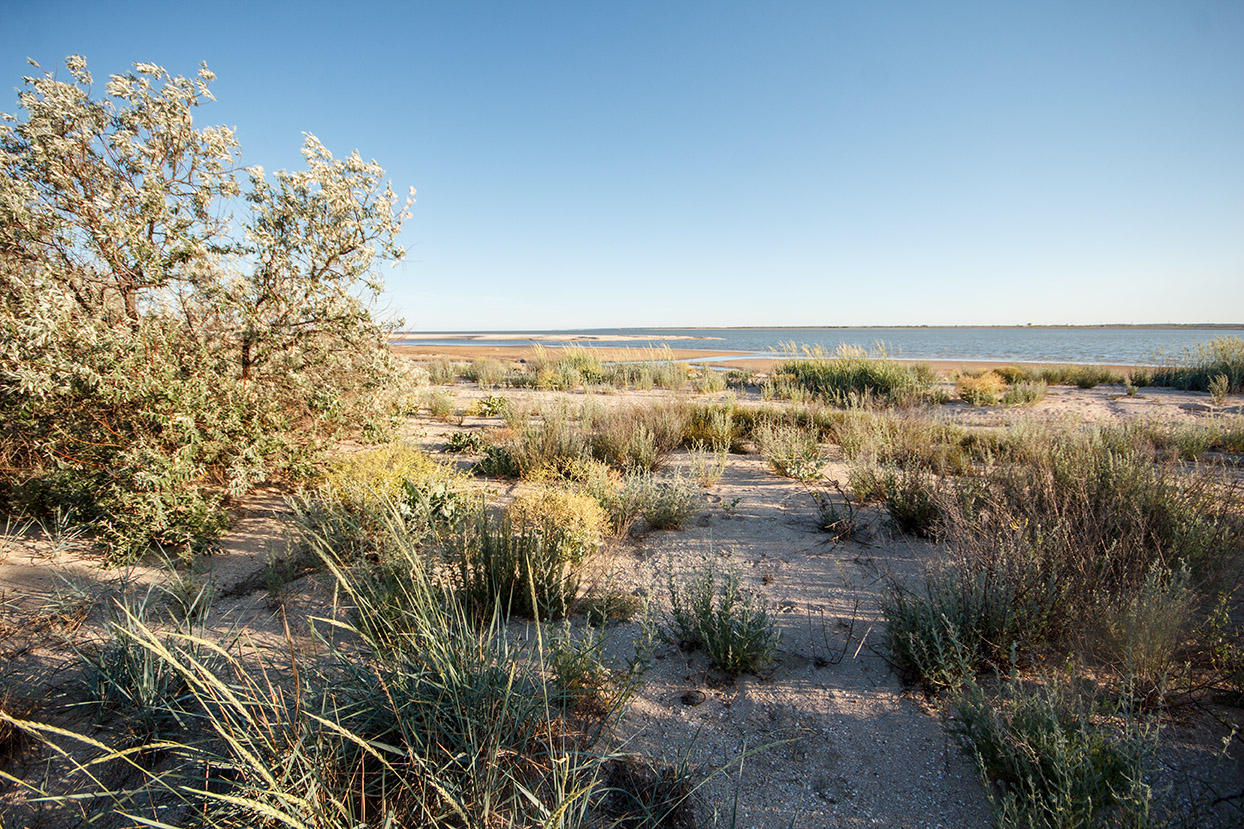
(980, 390)
(1050, 761)
(792, 451)
(576, 517)
(665, 503)
(710, 611)
(168, 358)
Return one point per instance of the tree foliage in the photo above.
(169, 337)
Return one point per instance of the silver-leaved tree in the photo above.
(168, 336)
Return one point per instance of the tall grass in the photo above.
(420, 712)
(1196, 368)
(853, 371)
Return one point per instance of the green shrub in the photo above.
(710, 611)
(665, 503)
(1050, 760)
(791, 450)
(1024, 393)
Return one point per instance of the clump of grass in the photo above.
(487, 373)
(1075, 522)
(905, 439)
(1051, 760)
(912, 502)
(442, 372)
(854, 371)
(1085, 377)
(632, 438)
(515, 568)
(1219, 386)
(1195, 368)
(981, 389)
(708, 381)
(713, 426)
(710, 611)
(791, 450)
(127, 679)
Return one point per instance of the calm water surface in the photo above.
(1121, 346)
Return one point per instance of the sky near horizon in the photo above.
(590, 165)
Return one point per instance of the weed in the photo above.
(710, 611)
(836, 517)
(461, 442)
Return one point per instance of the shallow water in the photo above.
(1114, 346)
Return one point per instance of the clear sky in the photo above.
(590, 164)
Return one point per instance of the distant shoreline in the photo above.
(598, 333)
(720, 359)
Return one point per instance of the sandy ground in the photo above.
(829, 736)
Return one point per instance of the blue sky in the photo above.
(590, 164)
